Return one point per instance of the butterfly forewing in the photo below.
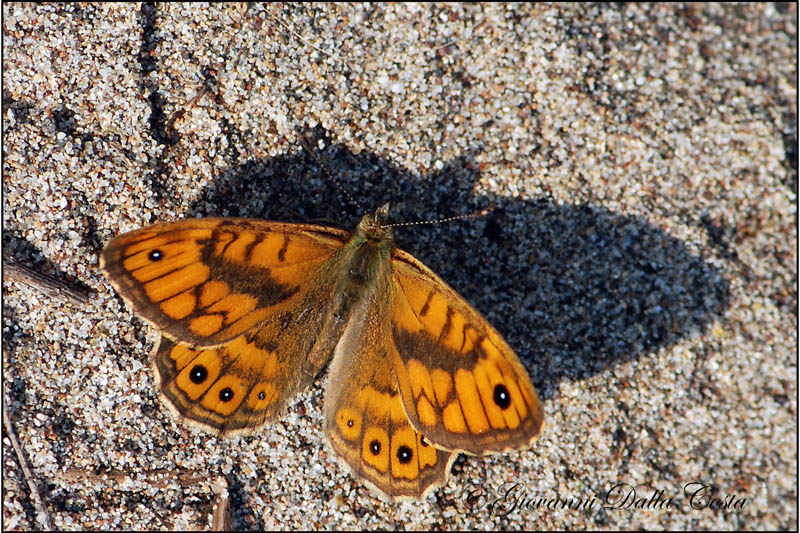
(462, 386)
(205, 282)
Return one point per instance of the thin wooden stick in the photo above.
(300, 37)
(47, 284)
(41, 511)
(156, 478)
(161, 479)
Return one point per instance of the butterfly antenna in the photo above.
(306, 144)
(476, 214)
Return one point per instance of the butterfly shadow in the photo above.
(575, 289)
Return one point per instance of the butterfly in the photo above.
(251, 311)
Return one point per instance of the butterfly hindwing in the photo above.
(240, 385)
(364, 418)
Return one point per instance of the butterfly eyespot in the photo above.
(423, 442)
(156, 255)
(404, 455)
(198, 374)
(349, 422)
(261, 395)
(226, 394)
(375, 447)
(502, 398)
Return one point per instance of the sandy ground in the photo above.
(641, 256)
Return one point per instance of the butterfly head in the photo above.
(373, 227)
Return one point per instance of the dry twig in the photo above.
(56, 288)
(41, 511)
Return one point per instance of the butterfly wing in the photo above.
(240, 385)
(204, 282)
(462, 385)
(244, 308)
(364, 418)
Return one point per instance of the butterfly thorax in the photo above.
(361, 274)
(370, 248)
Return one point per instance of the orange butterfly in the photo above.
(251, 311)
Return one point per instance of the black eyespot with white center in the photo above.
(501, 396)
(155, 255)
(198, 374)
(226, 395)
(375, 447)
(404, 455)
